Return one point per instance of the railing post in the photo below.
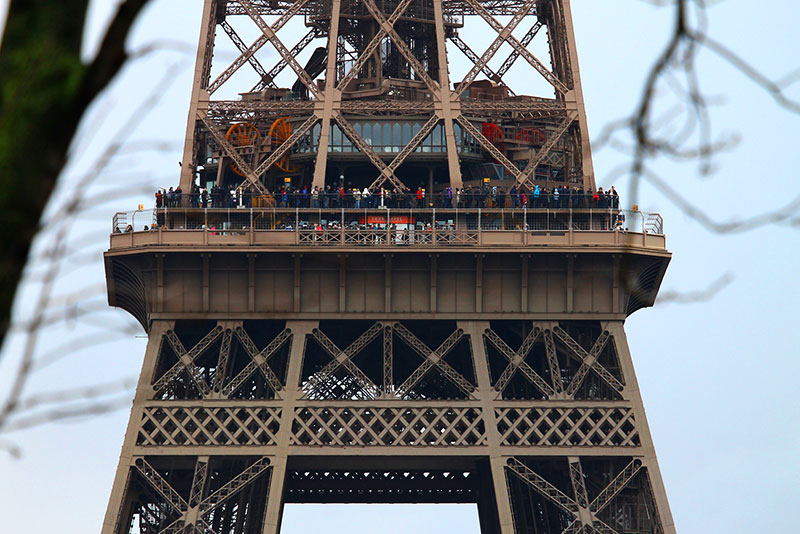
(571, 229)
(252, 229)
(433, 227)
(388, 224)
(480, 228)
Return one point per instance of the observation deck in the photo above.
(308, 263)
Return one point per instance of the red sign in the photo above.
(394, 219)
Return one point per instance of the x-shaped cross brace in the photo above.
(584, 512)
(588, 361)
(258, 361)
(518, 47)
(247, 53)
(516, 360)
(344, 358)
(401, 45)
(502, 36)
(186, 361)
(192, 513)
(285, 53)
(433, 358)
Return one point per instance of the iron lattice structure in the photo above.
(479, 361)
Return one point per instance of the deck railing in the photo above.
(383, 227)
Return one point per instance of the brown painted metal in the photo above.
(438, 355)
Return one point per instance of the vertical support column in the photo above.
(251, 283)
(570, 282)
(574, 98)
(446, 109)
(486, 396)
(342, 282)
(479, 283)
(523, 277)
(144, 392)
(159, 282)
(434, 292)
(387, 282)
(634, 396)
(331, 100)
(204, 51)
(274, 511)
(296, 293)
(205, 274)
(615, 294)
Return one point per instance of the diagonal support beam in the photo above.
(343, 358)
(235, 485)
(279, 46)
(512, 57)
(258, 361)
(588, 361)
(186, 361)
(198, 481)
(162, 487)
(545, 149)
(388, 172)
(257, 66)
(362, 145)
(402, 47)
(222, 361)
(231, 152)
(475, 59)
(279, 152)
(489, 147)
(552, 361)
(269, 79)
(502, 37)
(517, 361)
(433, 358)
(372, 45)
(247, 54)
(511, 40)
(619, 483)
(542, 486)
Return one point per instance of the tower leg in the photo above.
(633, 393)
(116, 505)
(486, 394)
(275, 496)
(274, 515)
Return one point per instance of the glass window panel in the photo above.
(315, 135)
(397, 135)
(376, 136)
(387, 137)
(336, 138)
(367, 135)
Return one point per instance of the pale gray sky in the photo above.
(718, 378)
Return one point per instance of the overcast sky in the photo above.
(718, 377)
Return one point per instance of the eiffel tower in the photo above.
(408, 316)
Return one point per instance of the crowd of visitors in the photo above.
(487, 196)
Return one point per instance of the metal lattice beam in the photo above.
(511, 40)
(588, 361)
(501, 38)
(433, 358)
(284, 52)
(517, 361)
